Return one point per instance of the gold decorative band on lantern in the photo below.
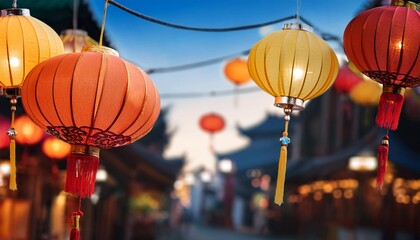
(11, 92)
(297, 26)
(85, 150)
(393, 89)
(75, 221)
(289, 102)
(15, 12)
(402, 3)
(100, 49)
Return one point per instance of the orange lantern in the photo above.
(212, 123)
(236, 71)
(91, 100)
(28, 133)
(54, 148)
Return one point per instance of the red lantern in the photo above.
(4, 139)
(384, 44)
(212, 123)
(91, 100)
(346, 80)
(28, 132)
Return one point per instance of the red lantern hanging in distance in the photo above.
(384, 44)
(212, 123)
(346, 80)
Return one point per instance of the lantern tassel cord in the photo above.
(281, 174)
(75, 219)
(12, 135)
(383, 150)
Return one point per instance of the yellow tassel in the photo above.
(12, 182)
(281, 175)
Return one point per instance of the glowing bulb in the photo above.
(5, 168)
(14, 62)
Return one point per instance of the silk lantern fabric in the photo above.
(90, 99)
(293, 65)
(24, 42)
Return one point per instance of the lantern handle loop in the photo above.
(103, 23)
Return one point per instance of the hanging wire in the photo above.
(103, 23)
(14, 5)
(209, 94)
(230, 29)
(196, 64)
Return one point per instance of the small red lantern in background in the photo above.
(346, 79)
(4, 139)
(28, 132)
(212, 123)
(384, 44)
(236, 71)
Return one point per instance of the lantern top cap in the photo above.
(297, 26)
(15, 12)
(100, 49)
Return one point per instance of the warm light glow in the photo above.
(363, 162)
(205, 176)
(101, 175)
(348, 193)
(226, 165)
(318, 196)
(5, 168)
(337, 193)
(189, 179)
(297, 73)
(178, 185)
(27, 131)
(54, 148)
(14, 62)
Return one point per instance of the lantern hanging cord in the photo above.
(14, 5)
(103, 23)
(298, 11)
(168, 24)
(75, 13)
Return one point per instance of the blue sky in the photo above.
(150, 45)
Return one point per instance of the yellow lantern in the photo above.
(75, 39)
(293, 65)
(24, 42)
(366, 93)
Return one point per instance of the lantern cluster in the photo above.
(24, 42)
(384, 44)
(293, 65)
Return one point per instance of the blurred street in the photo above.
(203, 232)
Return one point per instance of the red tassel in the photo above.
(382, 160)
(75, 231)
(389, 110)
(81, 175)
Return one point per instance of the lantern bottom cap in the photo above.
(289, 102)
(10, 92)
